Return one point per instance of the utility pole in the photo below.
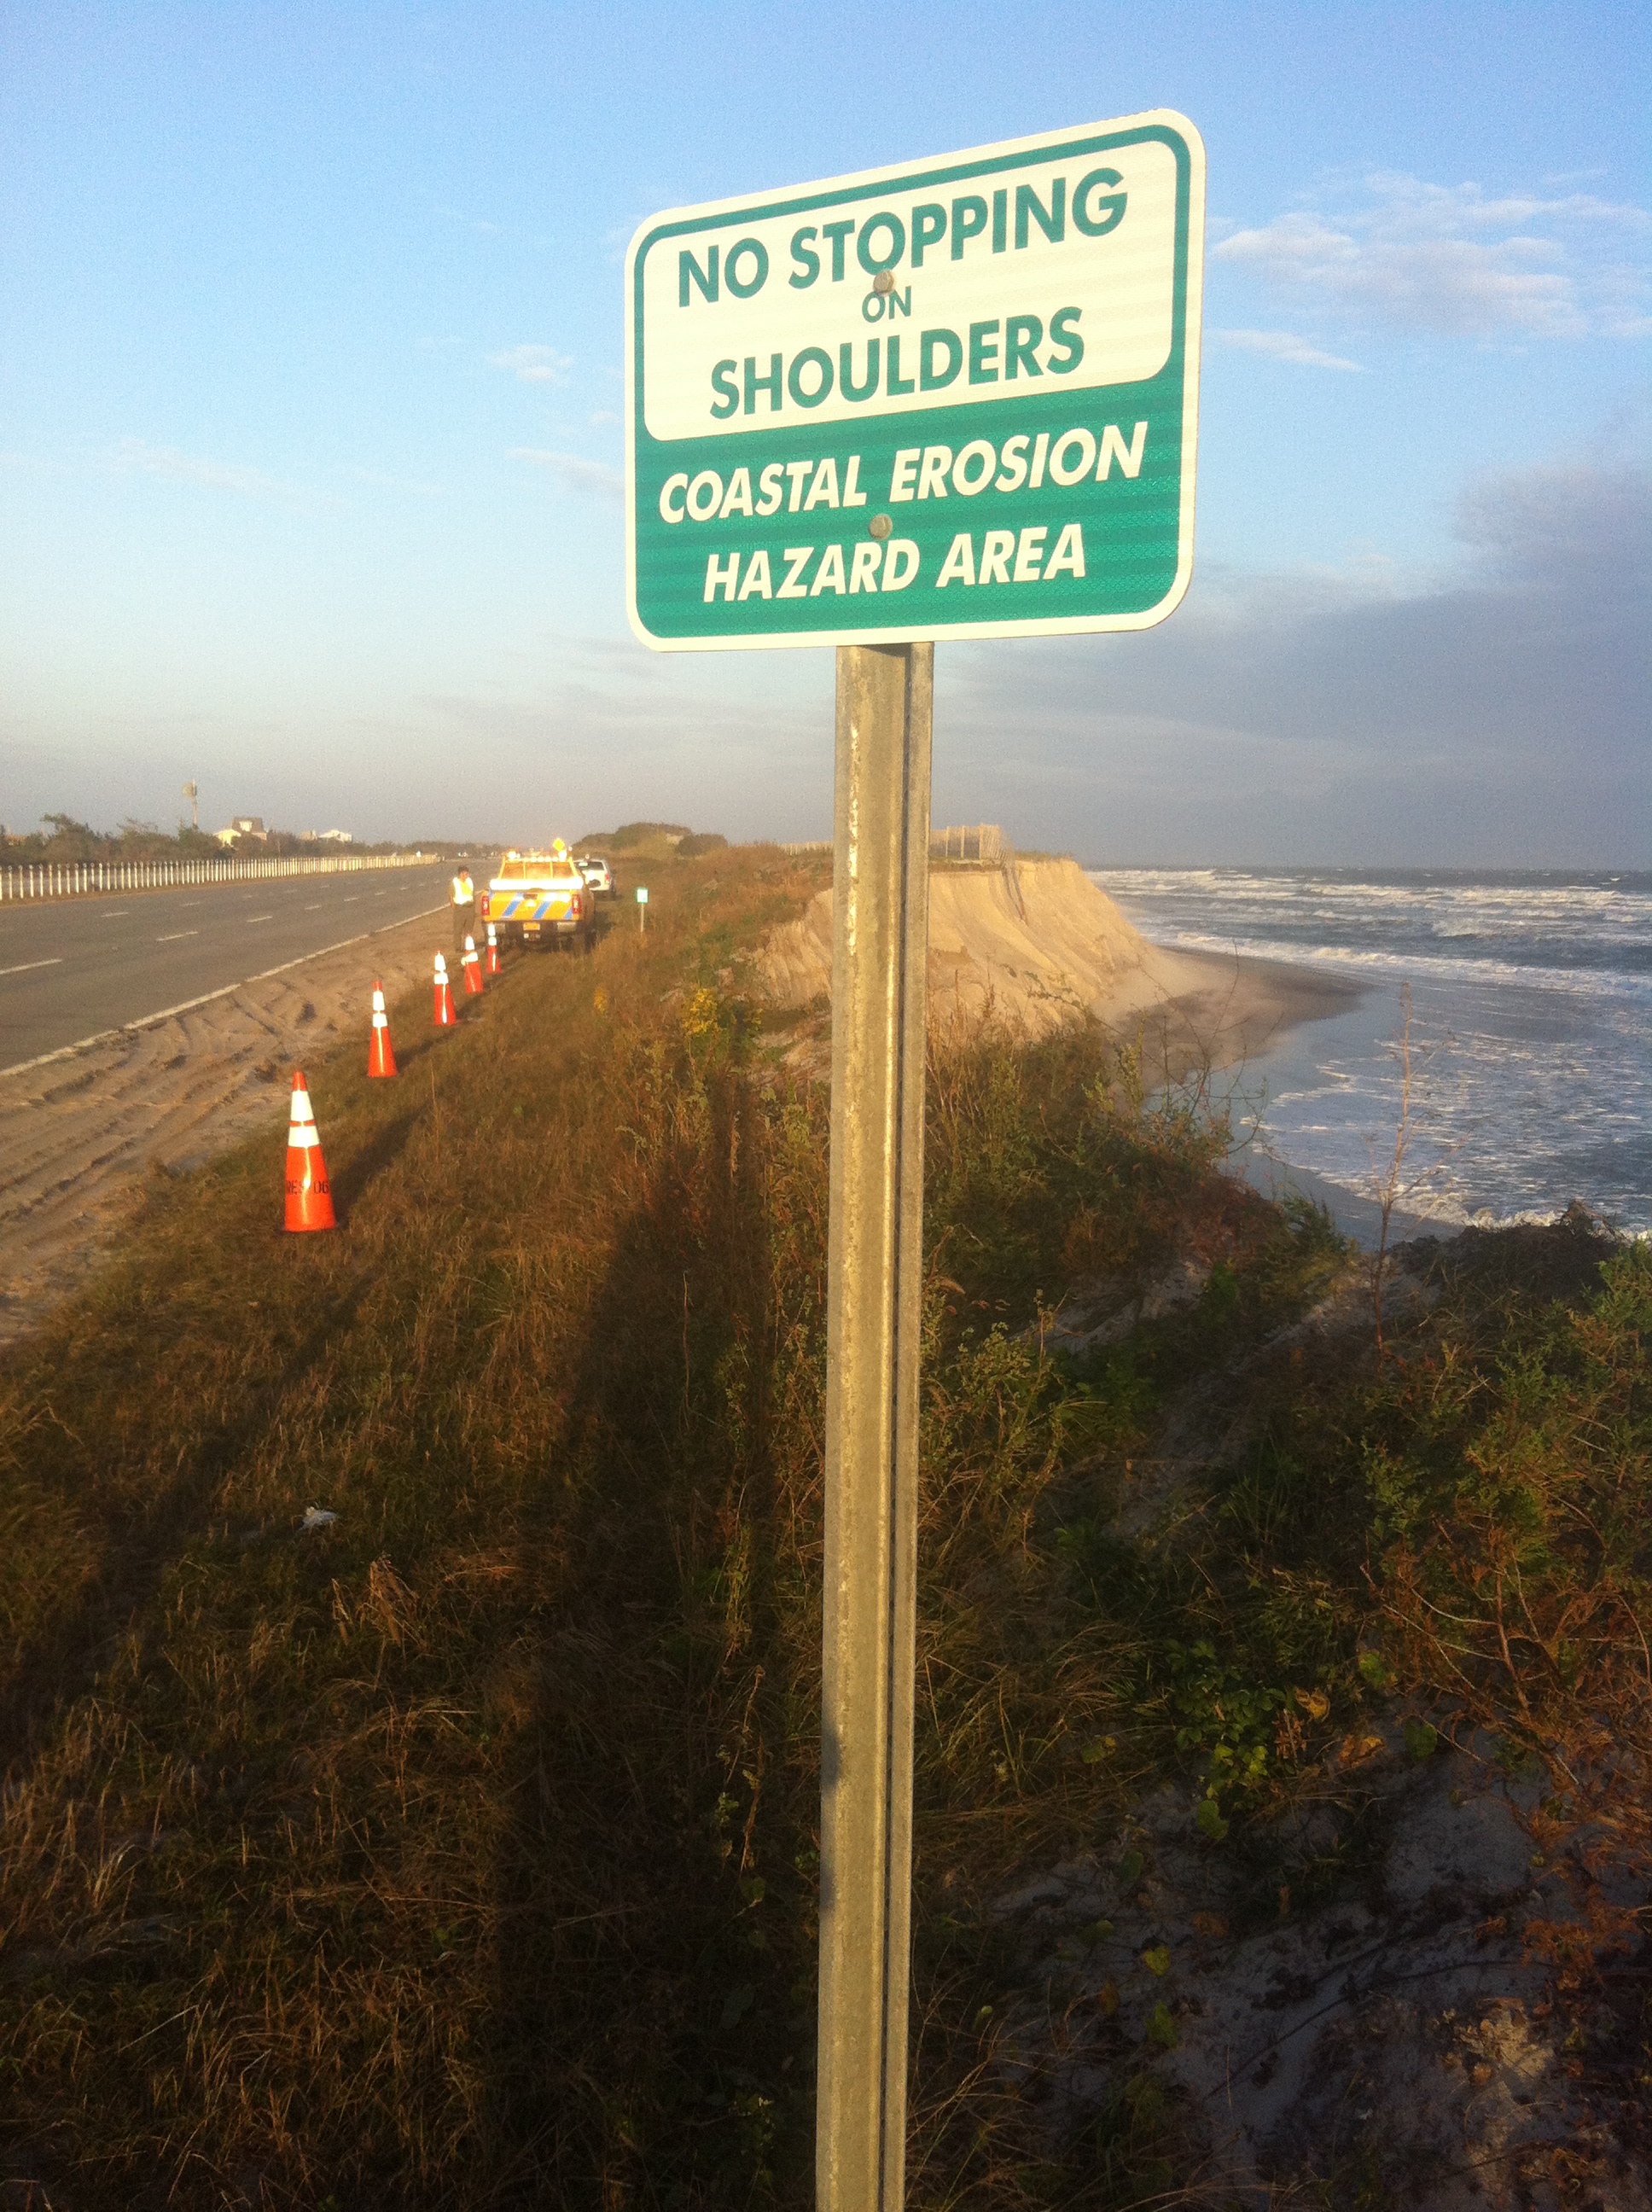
(880, 942)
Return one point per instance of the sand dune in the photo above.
(1038, 941)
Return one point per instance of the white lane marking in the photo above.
(351, 900)
(24, 966)
(188, 1005)
(176, 934)
(313, 910)
(260, 917)
(113, 913)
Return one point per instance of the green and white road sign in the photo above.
(954, 397)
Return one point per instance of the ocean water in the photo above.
(1531, 1032)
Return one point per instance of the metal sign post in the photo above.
(952, 397)
(880, 937)
(642, 909)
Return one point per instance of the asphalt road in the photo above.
(72, 968)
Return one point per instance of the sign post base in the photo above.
(880, 930)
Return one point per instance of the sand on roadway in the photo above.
(79, 1132)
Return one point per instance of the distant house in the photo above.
(337, 837)
(244, 825)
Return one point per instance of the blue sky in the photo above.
(310, 445)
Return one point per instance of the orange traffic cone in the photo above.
(309, 1195)
(472, 966)
(381, 1059)
(492, 962)
(444, 1018)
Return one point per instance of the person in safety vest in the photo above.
(462, 896)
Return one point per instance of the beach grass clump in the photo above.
(461, 1850)
(1509, 1475)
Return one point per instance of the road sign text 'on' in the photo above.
(954, 397)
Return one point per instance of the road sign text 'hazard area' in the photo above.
(953, 396)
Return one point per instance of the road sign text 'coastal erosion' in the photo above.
(952, 396)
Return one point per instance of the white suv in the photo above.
(598, 873)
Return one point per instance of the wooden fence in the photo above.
(980, 841)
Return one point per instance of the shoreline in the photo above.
(1256, 1003)
(1355, 1215)
(1231, 1009)
(1265, 1001)
(1527, 1010)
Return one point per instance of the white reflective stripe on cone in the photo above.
(301, 1110)
(302, 1137)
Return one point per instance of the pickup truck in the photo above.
(540, 898)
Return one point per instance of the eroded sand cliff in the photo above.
(1040, 943)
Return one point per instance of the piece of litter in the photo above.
(316, 1516)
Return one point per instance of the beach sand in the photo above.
(1040, 943)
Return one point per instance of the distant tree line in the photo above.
(63, 839)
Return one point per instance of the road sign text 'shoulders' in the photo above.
(955, 396)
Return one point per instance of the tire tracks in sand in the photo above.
(80, 1133)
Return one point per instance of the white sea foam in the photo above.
(1531, 1006)
(1377, 960)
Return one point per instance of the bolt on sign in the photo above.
(951, 396)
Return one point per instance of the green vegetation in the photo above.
(63, 839)
(653, 840)
(461, 1851)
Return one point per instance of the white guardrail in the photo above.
(82, 879)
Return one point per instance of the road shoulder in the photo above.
(80, 1132)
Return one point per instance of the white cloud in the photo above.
(1283, 345)
(1452, 260)
(572, 472)
(604, 415)
(135, 454)
(533, 364)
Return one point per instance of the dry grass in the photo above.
(376, 1861)
(463, 1852)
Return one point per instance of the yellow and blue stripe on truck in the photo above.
(514, 907)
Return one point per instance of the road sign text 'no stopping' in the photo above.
(957, 396)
